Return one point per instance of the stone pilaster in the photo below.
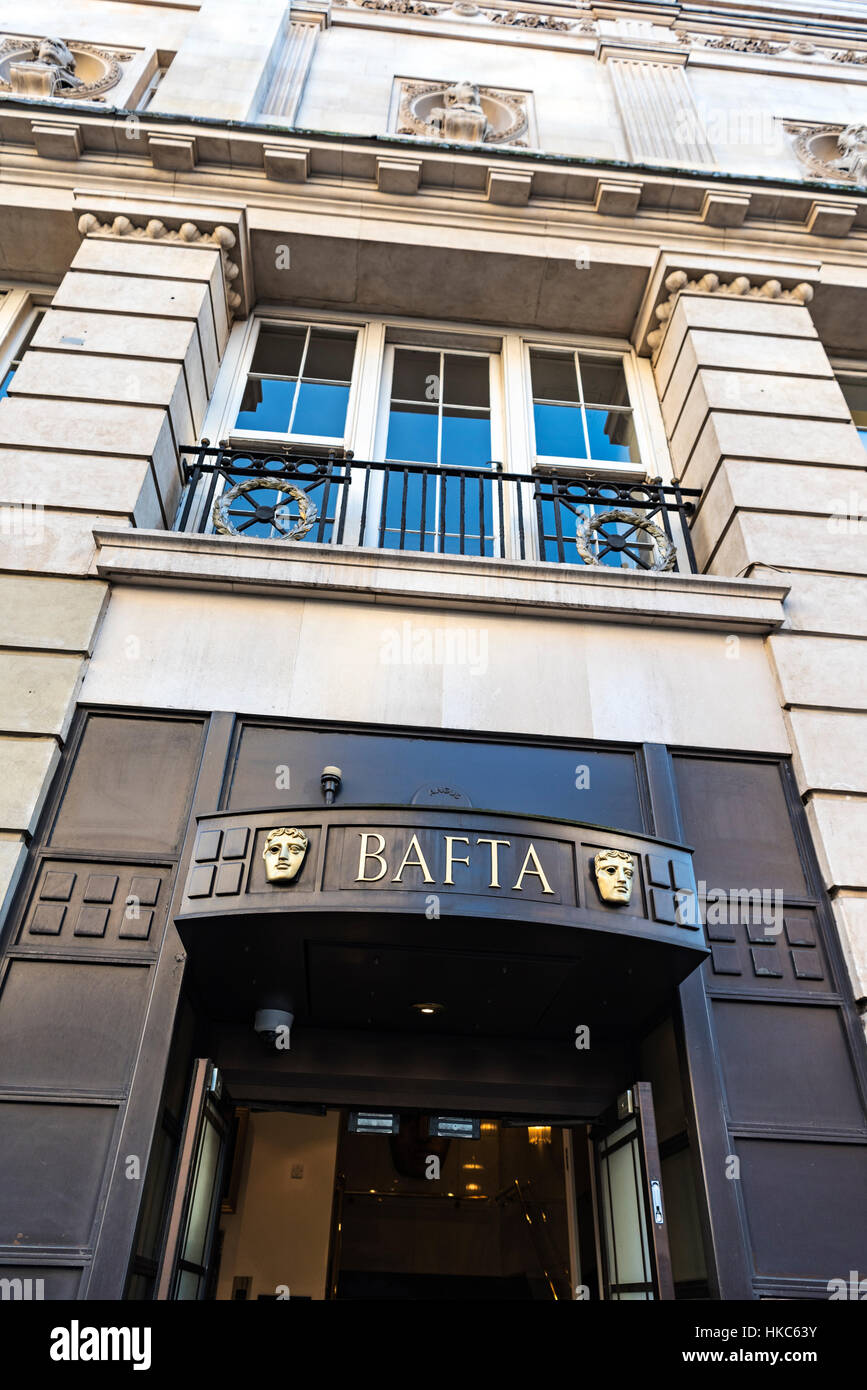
(757, 420)
(117, 378)
(660, 118)
(287, 72)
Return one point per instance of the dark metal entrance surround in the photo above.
(385, 913)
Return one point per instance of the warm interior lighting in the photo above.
(429, 1008)
(539, 1134)
(489, 1127)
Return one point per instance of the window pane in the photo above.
(412, 434)
(466, 439)
(201, 1204)
(321, 410)
(612, 435)
(278, 351)
(554, 377)
(415, 376)
(330, 355)
(856, 399)
(4, 385)
(603, 381)
(466, 381)
(188, 1286)
(558, 431)
(266, 405)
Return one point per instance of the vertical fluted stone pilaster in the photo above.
(660, 118)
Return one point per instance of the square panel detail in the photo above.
(686, 909)
(47, 919)
(763, 932)
(201, 881)
(100, 888)
(208, 846)
(92, 921)
(800, 931)
(681, 874)
(807, 965)
(766, 963)
(724, 960)
(137, 928)
(229, 879)
(663, 906)
(57, 886)
(659, 870)
(235, 843)
(147, 890)
(720, 931)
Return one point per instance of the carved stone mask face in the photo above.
(614, 875)
(284, 854)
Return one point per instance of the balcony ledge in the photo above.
(273, 568)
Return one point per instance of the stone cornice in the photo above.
(204, 152)
(375, 576)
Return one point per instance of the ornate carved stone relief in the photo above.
(739, 287)
(795, 48)
(831, 151)
(51, 68)
(187, 234)
(467, 9)
(462, 113)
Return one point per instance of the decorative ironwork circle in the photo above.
(307, 509)
(585, 530)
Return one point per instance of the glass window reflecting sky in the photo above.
(581, 407)
(299, 381)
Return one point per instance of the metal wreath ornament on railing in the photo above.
(666, 550)
(308, 512)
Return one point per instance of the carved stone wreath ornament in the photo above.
(50, 67)
(585, 530)
(836, 152)
(462, 112)
(307, 510)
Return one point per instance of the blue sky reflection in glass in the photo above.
(439, 413)
(581, 408)
(299, 381)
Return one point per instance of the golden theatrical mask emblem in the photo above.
(614, 874)
(284, 854)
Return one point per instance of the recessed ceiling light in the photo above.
(429, 1008)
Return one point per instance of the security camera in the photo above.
(273, 1027)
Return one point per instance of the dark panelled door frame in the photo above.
(725, 1238)
(116, 1238)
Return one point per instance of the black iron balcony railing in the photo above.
(334, 499)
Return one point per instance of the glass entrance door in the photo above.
(631, 1231)
(189, 1266)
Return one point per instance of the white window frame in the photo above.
(631, 471)
(855, 372)
(512, 426)
(253, 439)
(18, 309)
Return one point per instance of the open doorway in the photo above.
(319, 1203)
(347, 1205)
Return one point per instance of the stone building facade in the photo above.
(509, 280)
